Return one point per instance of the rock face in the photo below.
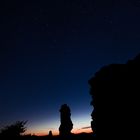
(115, 93)
(66, 123)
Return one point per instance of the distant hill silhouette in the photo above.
(115, 93)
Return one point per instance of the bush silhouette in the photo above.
(14, 130)
(115, 98)
(66, 123)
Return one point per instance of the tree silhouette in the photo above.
(14, 130)
(115, 98)
(66, 123)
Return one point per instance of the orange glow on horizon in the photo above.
(56, 132)
(77, 131)
(43, 133)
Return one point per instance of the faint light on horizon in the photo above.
(43, 128)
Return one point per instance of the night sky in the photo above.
(50, 49)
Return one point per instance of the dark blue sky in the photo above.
(49, 50)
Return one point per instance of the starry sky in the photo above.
(50, 49)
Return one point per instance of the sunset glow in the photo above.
(56, 132)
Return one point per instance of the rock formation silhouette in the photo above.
(50, 133)
(66, 123)
(115, 93)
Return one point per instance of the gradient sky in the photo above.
(50, 49)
